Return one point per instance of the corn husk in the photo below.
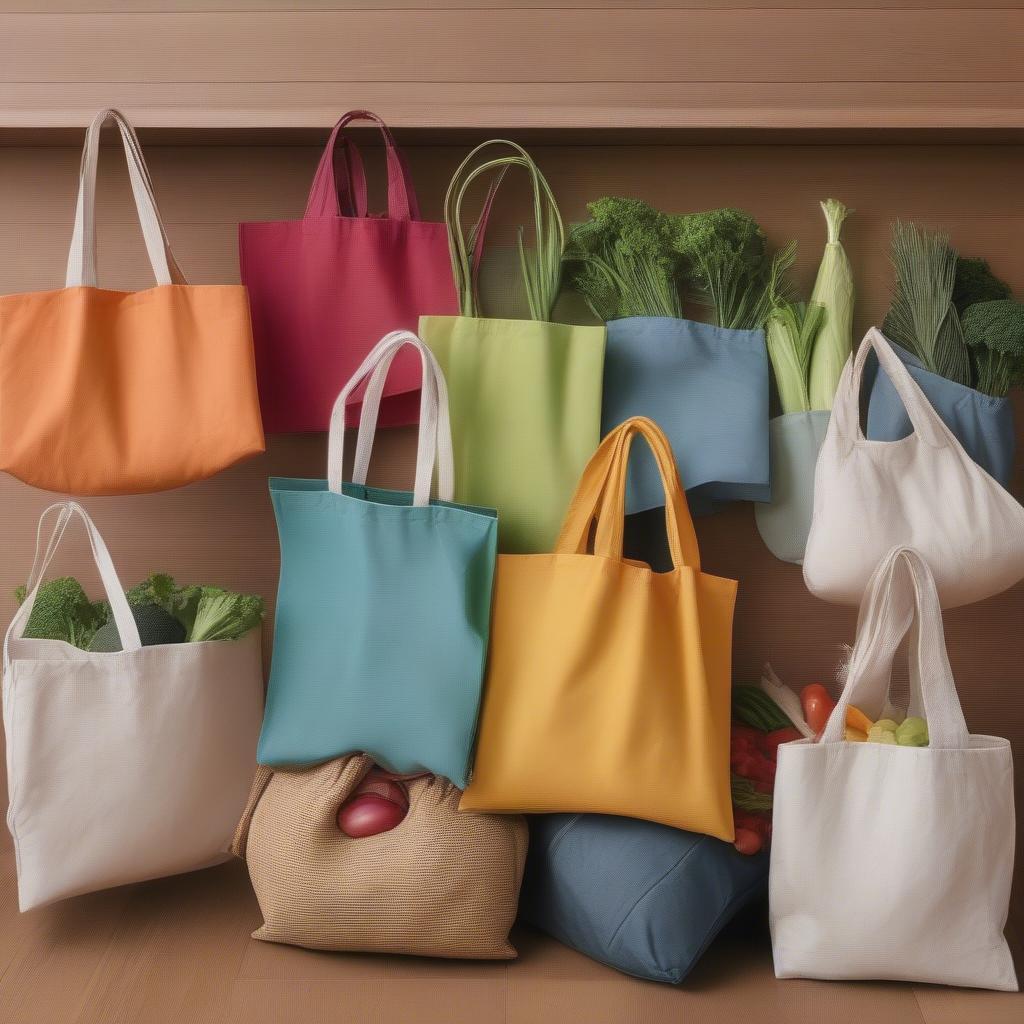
(833, 289)
(790, 335)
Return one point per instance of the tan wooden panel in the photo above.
(552, 46)
(222, 105)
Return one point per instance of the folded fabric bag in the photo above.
(923, 491)
(895, 862)
(982, 423)
(608, 685)
(526, 394)
(785, 522)
(707, 388)
(643, 898)
(106, 392)
(323, 287)
(122, 766)
(384, 600)
(439, 884)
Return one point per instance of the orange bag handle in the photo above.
(601, 496)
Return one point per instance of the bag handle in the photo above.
(466, 253)
(119, 606)
(601, 495)
(901, 595)
(434, 444)
(81, 267)
(324, 194)
(927, 423)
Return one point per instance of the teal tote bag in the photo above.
(384, 600)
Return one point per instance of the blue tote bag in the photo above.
(384, 601)
(981, 423)
(707, 388)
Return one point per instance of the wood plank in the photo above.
(552, 46)
(729, 105)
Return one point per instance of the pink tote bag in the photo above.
(324, 289)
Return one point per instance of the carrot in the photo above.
(856, 719)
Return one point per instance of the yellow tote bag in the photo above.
(608, 686)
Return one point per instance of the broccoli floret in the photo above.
(975, 283)
(63, 611)
(222, 615)
(158, 589)
(994, 331)
(623, 262)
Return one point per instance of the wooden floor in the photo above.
(179, 951)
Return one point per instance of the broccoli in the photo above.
(726, 264)
(975, 283)
(994, 331)
(62, 611)
(161, 590)
(622, 261)
(222, 615)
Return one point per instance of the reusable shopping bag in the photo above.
(895, 862)
(122, 766)
(439, 884)
(643, 898)
(105, 392)
(608, 685)
(785, 521)
(525, 394)
(982, 423)
(707, 388)
(923, 491)
(384, 600)
(322, 287)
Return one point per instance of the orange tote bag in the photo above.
(608, 687)
(105, 392)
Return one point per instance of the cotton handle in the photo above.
(434, 443)
(901, 595)
(81, 268)
(846, 412)
(66, 510)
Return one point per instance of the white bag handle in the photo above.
(126, 627)
(81, 269)
(434, 444)
(927, 423)
(901, 595)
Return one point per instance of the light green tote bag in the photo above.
(525, 395)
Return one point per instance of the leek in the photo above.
(833, 290)
(790, 335)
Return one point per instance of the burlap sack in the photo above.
(443, 883)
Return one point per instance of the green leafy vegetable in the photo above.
(922, 317)
(833, 290)
(790, 335)
(62, 611)
(975, 282)
(746, 796)
(753, 707)
(222, 615)
(156, 626)
(995, 333)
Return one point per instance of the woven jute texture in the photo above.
(443, 883)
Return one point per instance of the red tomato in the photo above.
(817, 705)
(747, 842)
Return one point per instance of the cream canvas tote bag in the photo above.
(924, 491)
(128, 765)
(892, 862)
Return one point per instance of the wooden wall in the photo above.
(608, 63)
(222, 530)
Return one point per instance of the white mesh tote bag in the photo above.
(924, 491)
(893, 862)
(128, 765)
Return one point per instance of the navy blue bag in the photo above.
(981, 423)
(707, 388)
(641, 897)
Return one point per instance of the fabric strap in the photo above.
(81, 268)
(65, 511)
(324, 194)
(435, 441)
(601, 497)
(901, 595)
(927, 423)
